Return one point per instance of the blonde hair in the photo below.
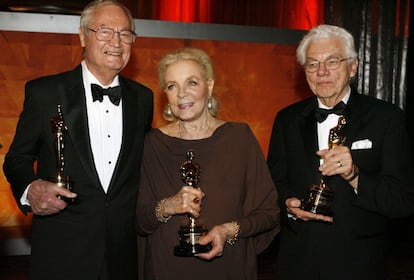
(202, 59)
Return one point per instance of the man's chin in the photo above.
(116, 67)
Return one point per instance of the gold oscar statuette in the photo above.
(59, 131)
(319, 198)
(190, 234)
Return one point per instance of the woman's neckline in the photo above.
(177, 135)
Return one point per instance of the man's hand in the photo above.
(293, 207)
(44, 197)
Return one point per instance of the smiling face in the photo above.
(330, 86)
(106, 59)
(187, 90)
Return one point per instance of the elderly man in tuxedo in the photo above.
(369, 171)
(86, 232)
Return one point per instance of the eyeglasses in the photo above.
(330, 64)
(105, 34)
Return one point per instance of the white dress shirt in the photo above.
(325, 126)
(323, 131)
(105, 128)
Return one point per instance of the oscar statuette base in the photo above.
(189, 245)
(319, 200)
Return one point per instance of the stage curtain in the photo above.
(380, 28)
(294, 14)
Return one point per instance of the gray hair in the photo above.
(90, 9)
(325, 31)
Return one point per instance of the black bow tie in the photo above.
(321, 114)
(114, 93)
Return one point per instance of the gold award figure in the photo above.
(320, 197)
(59, 130)
(189, 235)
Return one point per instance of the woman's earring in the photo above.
(209, 104)
(168, 113)
(168, 110)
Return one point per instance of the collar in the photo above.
(89, 78)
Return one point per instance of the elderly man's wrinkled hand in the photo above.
(45, 197)
(293, 206)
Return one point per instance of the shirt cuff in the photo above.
(23, 198)
(291, 216)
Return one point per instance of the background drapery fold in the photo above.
(294, 14)
(380, 28)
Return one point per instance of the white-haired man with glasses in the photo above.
(369, 172)
(87, 231)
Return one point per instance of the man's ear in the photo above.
(82, 37)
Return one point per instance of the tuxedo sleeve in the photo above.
(20, 161)
(387, 187)
(276, 161)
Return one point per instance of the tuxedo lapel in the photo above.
(308, 130)
(131, 118)
(72, 96)
(356, 119)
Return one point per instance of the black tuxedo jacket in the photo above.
(352, 247)
(74, 243)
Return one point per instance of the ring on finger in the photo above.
(339, 163)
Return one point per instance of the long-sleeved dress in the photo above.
(238, 187)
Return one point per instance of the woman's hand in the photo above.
(217, 236)
(187, 200)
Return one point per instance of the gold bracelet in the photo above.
(232, 241)
(158, 209)
(353, 175)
